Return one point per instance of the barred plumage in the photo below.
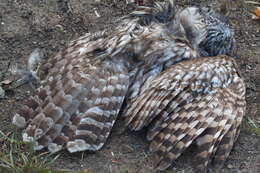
(198, 101)
(86, 83)
(152, 61)
(220, 37)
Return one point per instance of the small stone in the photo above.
(18, 98)
(6, 82)
(19, 121)
(229, 166)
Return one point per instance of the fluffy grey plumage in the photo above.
(220, 37)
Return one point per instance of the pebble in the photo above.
(229, 166)
(18, 98)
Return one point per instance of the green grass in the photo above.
(19, 157)
(250, 126)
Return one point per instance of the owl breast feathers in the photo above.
(152, 62)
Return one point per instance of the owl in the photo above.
(195, 101)
(84, 86)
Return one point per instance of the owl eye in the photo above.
(201, 23)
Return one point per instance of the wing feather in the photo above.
(201, 100)
(86, 83)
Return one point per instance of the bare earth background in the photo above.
(50, 24)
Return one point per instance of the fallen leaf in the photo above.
(114, 161)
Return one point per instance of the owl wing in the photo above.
(87, 82)
(78, 101)
(200, 100)
(87, 39)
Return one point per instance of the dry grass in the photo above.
(19, 157)
(251, 126)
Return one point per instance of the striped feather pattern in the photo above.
(200, 101)
(150, 61)
(84, 85)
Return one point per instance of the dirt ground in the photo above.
(49, 24)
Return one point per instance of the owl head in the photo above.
(220, 37)
(207, 31)
(190, 24)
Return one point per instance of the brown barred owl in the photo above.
(197, 101)
(86, 83)
(152, 61)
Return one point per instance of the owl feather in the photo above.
(198, 101)
(84, 85)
